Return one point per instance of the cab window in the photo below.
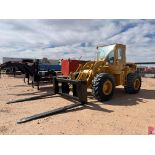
(110, 57)
(120, 55)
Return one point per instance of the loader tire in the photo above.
(133, 84)
(103, 86)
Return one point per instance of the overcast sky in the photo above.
(56, 39)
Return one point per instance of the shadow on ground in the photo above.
(123, 99)
(90, 106)
(120, 98)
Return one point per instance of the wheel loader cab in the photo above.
(112, 54)
(115, 58)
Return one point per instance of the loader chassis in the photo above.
(118, 68)
(109, 70)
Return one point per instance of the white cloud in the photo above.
(74, 38)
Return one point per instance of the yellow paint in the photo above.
(118, 69)
(107, 87)
(137, 84)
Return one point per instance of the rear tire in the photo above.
(103, 86)
(133, 83)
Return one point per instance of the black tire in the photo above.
(130, 88)
(97, 86)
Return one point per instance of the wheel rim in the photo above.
(137, 84)
(107, 87)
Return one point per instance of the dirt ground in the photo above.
(124, 114)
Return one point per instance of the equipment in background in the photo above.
(146, 69)
(70, 66)
(46, 67)
(31, 71)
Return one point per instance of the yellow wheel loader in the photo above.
(110, 70)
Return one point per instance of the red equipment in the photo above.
(68, 66)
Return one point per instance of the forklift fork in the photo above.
(79, 89)
(61, 86)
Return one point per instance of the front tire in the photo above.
(103, 86)
(133, 84)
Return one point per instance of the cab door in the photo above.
(116, 62)
(120, 64)
(120, 56)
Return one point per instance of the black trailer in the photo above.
(31, 71)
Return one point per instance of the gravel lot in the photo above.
(124, 114)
